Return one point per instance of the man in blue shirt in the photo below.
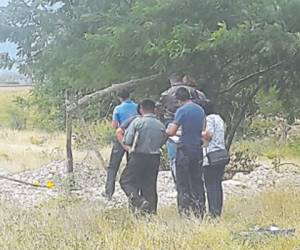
(121, 113)
(190, 117)
(168, 105)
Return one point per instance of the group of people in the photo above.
(187, 122)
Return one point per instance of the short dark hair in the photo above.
(182, 94)
(148, 105)
(139, 109)
(209, 107)
(124, 94)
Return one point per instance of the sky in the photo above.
(9, 48)
(3, 2)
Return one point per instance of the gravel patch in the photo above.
(89, 184)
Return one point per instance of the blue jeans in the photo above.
(172, 148)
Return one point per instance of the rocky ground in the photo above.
(89, 184)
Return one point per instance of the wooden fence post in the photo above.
(69, 154)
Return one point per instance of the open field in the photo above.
(19, 87)
(7, 105)
(77, 225)
(23, 150)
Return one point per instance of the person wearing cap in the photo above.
(121, 113)
(168, 105)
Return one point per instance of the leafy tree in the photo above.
(234, 48)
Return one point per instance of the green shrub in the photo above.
(100, 131)
(17, 119)
(261, 127)
(241, 160)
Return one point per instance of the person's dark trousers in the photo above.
(139, 180)
(213, 176)
(116, 157)
(189, 182)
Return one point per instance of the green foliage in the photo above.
(11, 115)
(90, 44)
(17, 119)
(269, 103)
(100, 131)
(38, 111)
(290, 150)
(261, 127)
(242, 159)
(271, 148)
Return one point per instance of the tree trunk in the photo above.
(232, 130)
(69, 154)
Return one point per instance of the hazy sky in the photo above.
(6, 47)
(3, 2)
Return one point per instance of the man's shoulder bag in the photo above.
(218, 158)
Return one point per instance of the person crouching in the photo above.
(144, 137)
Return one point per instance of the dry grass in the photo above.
(7, 104)
(24, 150)
(76, 225)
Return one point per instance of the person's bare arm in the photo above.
(114, 124)
(172, 129)
(120, 137)
(207, 135)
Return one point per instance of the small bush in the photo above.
(100, 131)
(17, 120)
(241, 160)
(38, 140)
(261, 127)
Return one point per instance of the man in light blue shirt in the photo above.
(124, 111)
(121, 113)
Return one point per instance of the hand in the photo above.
(205, 135)
(126, 148)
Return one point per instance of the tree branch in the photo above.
(115, 87)
(230, 135)
(247, 77)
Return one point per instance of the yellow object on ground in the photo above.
(50, 184)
